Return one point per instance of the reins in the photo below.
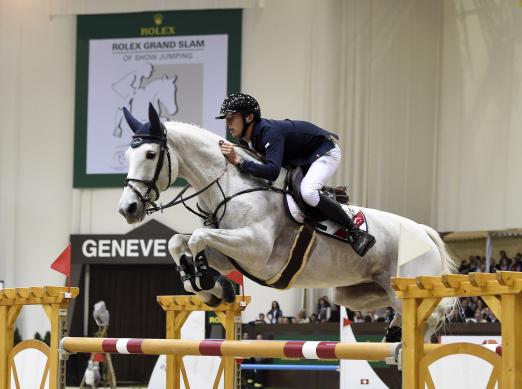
(209, 218)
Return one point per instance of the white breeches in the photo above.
(318, 175)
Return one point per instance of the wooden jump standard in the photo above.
(501, 291)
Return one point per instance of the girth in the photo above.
(295, 264)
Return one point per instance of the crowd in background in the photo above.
(324, 312)
(468, 309)
(476, 263)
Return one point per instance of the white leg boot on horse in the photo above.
(196, 276)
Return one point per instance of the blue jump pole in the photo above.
(253, 366)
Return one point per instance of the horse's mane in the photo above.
(191, 128)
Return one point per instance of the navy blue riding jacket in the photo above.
(286, 142)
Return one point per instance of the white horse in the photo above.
(254, 229)
(161, 92)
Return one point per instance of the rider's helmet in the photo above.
(242, 103)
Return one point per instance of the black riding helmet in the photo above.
(240, 103)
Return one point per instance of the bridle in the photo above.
(151, 185)
(210, 218)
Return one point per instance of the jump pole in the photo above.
(234, 348)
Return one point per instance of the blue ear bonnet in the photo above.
(151, 132)
(140, 138)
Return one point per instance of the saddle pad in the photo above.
(328, 227)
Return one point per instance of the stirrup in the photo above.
(370, 241)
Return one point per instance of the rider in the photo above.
(291, 142)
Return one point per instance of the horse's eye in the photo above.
(151, 155)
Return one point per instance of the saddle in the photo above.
(293, 179)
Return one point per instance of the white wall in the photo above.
(424, 94)
(480, 136)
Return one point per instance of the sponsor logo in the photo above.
(358, 219)
(158, 28)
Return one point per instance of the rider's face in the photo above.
(235, 124)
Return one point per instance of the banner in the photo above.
(183, 62)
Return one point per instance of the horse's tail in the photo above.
(448, 265)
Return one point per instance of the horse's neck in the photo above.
(200, 160)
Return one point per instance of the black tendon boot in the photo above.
(361, 240)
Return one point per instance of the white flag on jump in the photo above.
(411, 246)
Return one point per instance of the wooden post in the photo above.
(413, 343)
(177, 309)
(8, 315)
(511, 307)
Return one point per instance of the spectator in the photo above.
(477, 318)
(464, 267)
(504, 264)
(255, 378)
(275, 313)
(323, 310)
(358, 318)
(503, 255)
(467, 309)
(313, 318)
(489, 316)
(301, 317)
(368, 318)
(517, 264)
(260, 319)
(389, 315)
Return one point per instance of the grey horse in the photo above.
(254, 230)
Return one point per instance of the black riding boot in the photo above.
(361, 240)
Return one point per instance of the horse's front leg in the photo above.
(180, 252)
(248, 243)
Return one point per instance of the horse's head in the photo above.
(151, 166)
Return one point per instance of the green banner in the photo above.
(183, 62)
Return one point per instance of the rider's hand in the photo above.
(230, 153)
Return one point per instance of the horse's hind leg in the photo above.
(428, 264)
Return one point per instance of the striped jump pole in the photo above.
(234, 348)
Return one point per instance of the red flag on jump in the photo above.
(236, 276)
(62, 264)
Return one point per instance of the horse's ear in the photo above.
(134, 123)
(155, 124)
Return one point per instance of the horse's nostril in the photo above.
(132, 208)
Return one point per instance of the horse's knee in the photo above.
(177, 245)
(197, 241)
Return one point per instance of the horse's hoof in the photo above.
(206, 281)
(393, 334)
(214, 301)
(229, 294)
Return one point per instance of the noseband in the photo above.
(138, 140)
